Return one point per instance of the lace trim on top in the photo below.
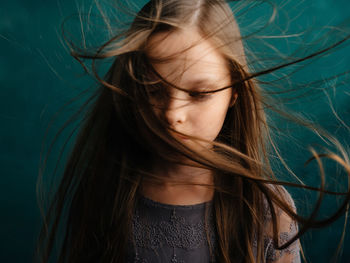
(153, 203)
(174, 231)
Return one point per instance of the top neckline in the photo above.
(153, 203)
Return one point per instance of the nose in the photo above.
(176, 112)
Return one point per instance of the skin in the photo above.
(199, 68)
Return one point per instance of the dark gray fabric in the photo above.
(177, 234)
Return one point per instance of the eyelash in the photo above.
(195, 95)
(199, 96)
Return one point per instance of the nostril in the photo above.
(175, 117)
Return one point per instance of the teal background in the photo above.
(37, 76)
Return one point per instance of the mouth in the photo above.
(181, 137)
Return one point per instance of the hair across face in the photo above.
(196, 66)
(194, 47)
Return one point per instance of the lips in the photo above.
(179, 136)
(182, 137)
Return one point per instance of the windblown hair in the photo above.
(121, 137)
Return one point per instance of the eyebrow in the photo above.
(197, 84)
(209, 82)
(198, 81)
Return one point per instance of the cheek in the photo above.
(210, 117)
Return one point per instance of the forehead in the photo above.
(183, 57)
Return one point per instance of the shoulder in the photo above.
(287, 228)
(284, 220)
(282, 193)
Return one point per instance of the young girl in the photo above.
(171, 163)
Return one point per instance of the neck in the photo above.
(180, 185)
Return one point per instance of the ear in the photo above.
(233, 99)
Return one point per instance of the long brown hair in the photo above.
(120, 137)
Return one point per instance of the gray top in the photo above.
(176, 234)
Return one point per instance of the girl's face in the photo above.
(200, 68)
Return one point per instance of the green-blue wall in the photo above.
(37, 77)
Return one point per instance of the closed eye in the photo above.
(199, 95)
